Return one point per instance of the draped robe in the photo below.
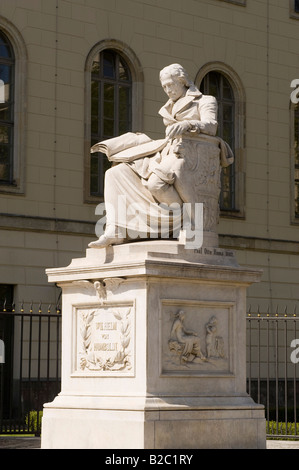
(185, 170)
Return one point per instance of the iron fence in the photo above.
(272, 369)
(30, 373)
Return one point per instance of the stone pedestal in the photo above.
(154, 351)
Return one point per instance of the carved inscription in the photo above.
(214, 252)
(105, 339)
(105, 327)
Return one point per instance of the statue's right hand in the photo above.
(179, 128)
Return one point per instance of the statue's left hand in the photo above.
(177, 129)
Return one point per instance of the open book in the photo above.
(128, 147)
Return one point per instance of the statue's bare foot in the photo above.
(105, 241)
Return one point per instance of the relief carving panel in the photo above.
(196, 338)
(105, 340)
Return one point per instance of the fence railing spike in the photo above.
(286, 311)
(58, 308)
(249, 311)
(258, 311)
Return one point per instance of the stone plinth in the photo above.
(154, 351)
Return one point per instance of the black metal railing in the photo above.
(273, 369)
(30, 375)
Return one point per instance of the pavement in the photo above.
(26, 442)
(273, 444)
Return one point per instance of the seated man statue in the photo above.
(158, 176)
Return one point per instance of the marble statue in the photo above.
(157, 177)
(134, 373)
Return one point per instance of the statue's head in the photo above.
(180, 314)
(175, 81)
(176, 72)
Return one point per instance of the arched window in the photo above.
(7, 62)
(215, 84)
(114, 105)
(111, 108)
(294, 9)
(220, 81)
(13, 105)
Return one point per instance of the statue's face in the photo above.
(173, 87)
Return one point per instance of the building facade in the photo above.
(76, 71)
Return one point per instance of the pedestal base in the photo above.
(154, 351)
(210, 423)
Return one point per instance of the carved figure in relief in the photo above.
(183, 342)
(214, 343)
(158, 175)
